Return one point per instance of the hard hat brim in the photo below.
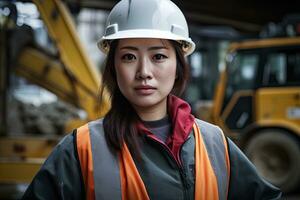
(188, 48)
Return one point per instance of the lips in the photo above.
(145, 89)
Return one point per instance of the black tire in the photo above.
(276, 155)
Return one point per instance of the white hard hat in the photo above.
(147, 19)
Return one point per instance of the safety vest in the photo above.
(114, 176)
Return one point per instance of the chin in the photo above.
(146, 102)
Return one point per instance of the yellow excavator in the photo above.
(68, 74)
(257, 104)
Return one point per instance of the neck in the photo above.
(155, 112)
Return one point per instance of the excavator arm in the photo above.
(50, 73)
(75, 79)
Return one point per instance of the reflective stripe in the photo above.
(106, 174)
(218, 155)
(86, 160)
(133, 186)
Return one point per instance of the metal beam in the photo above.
(208, 19)
(247, 15)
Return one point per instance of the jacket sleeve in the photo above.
(245, 183)
(60, 176)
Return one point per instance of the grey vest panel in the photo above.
(105, 164)
(213, 140)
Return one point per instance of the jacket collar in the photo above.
(182, 123)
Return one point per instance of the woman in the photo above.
(149, 145)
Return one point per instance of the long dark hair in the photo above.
(120, 121)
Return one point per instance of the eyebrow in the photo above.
(150, 48)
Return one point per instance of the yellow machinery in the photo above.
(69, 74)
(257, 103)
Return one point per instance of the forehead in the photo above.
(144, 42)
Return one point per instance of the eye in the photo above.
(128, 57)
(159, 57)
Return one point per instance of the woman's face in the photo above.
(146, 72)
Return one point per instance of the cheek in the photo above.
(169, 75)
(124, 76)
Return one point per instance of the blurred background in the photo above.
(245, 77)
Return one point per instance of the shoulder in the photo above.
(97, 122)
(90, 125)
(65, 144)
(206, 125)
(88, 132)
(214, 140)
(66, 147)
(68, 143)
(209, 130)
(60, 175)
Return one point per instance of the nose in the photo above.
(144, 70)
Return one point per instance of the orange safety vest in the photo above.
(208, 178)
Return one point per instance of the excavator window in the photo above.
(282, 69)
(241, 73)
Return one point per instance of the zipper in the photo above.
(186, 184)
(183, 176)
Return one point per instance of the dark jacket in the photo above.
(165, 176)
(60, 176)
